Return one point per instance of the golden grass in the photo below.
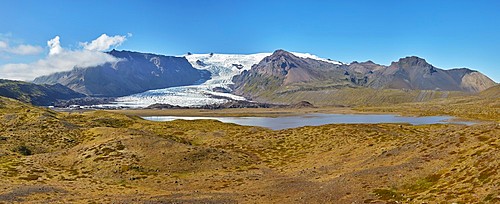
(102, 157)
(472, 107)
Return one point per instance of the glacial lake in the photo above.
(285, 122)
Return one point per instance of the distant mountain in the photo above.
(134, 73)
(283, 73)
(42, 95)
(283, 68)
(416, 74)
(216, 90)
(280, 77)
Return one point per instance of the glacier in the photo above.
(223, 68)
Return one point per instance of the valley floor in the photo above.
(105, 157)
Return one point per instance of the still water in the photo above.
(279, 123)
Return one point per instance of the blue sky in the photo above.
(446, 33)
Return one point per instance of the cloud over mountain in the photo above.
(60, 59)
(104, 42)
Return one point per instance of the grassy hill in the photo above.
(351, 96)
(42, 95)
(484, 106)
(492, 92)
(106, 157)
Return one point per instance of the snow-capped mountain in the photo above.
(223, 68)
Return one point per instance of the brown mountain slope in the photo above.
(492, 92)
(292, 69)
(282, 69)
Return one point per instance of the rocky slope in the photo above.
(134, 73)
(492, 92)
(415, 73)
(41, 95)
(283, 68)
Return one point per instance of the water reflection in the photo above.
(279, 123)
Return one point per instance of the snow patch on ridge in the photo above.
(314, 57)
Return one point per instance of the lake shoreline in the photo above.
(318, 119)
(245, 112)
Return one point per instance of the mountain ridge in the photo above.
(273, 76)
(42, 95)
(255, 75)
(416, 73)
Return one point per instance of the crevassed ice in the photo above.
(223, 68)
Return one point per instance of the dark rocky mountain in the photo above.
(41, 95)
(292, 69)
(283, 72)
(282, 68)
(416, 74)
(134, 73)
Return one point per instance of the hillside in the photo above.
(283, 68)
(492, 92)
(134, 73)
(355, 96)
(483, 106)
(105, 157)
(41, 95)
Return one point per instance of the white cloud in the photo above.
(105, 42)
(55, 46)
(3, 45)
(58, 60)
(26, 50)
(20, 49)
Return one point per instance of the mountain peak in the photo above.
(280, 53)
(413, 61)
(282, 57)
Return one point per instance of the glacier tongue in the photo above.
(222, 66)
